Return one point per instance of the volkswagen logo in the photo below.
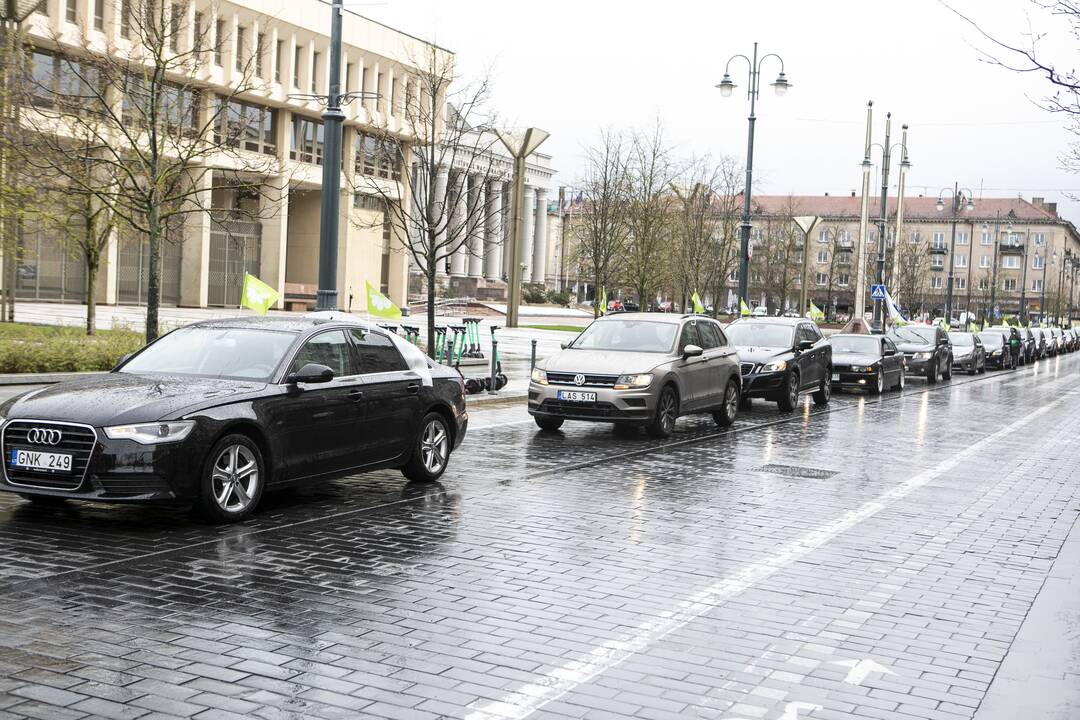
(579, 379)
(44, 436)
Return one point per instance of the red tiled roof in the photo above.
(915, 208)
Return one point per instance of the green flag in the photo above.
(1005, 321)
(696, 299)
(815, 312)
(257, 295)
(743, 310)
(379, 305)
(972, 327)
(603, 302)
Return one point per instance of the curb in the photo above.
(486, 399)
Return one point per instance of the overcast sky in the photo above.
(573, 67)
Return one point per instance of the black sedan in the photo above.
(781, 358)
(998, 354)
(866, 362)
(1013, 341)
(218, 411)
(927, 350)
(969, 354)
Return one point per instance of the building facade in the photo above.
(1035, 252)
(273, 233)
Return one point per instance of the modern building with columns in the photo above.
(272, 233)
(479, 268)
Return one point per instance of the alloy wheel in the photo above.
(235, 478)
(793, 389)
(731, 400)
(667, 410)
(880, 381)
(433, 444)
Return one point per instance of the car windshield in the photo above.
(991, 339)
(628, 335)
(962, 339)
(861, 344)
(920, 335)
(233, 353)
(751, 334)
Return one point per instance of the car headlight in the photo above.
(778, 366)
(922, 355)
(862, 368)
(995, 353)
(626, 382)
(152, 433)
(539, 376)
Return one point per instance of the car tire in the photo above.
(233, 478)
(790, 398)
(946, 374)
(725, 416)
(824, 393)
(931, 374)
(667, 411)
(431, 450)
(44, 500)
(982, 368)
(900, 380)
(879, 383)
(549, 424)
(974, 368)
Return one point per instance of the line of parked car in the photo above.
(646, 369)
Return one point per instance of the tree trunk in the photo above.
(153, 283)
(91, 298)
(431, 291)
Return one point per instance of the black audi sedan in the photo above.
(969, 354)
(780, 358)
(866, 362)
(218, 411)
(927, 350)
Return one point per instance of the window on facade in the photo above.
(984, 261)
(260, 48)
(393, 95)
(822, 279)
(733, 276)
(277, 60)
(241, 51)
(984, 283)
(913, 237)
(961, 238)
(1036, 285)
(823, 256)
(377, 157)
(70, 12)
(937, 242)
(219, 41)
(843, 280)
(936, 261)
(125, 18)
(844, 258)
(381, 101)
(960, 283)
(935, 283)
(307, 140)
(174, 107)
(99, 14)
(197, 32)
(985, 239)
(1010, 261)
(823, 236)
(1010, 284)
(296, 67)
(60, 83)
(961, 261)
(1036, 262)
(315, 72)
(246, 125)
(1038, 238)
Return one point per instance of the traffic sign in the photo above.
(877, 292)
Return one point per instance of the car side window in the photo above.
(690, 335)
(377, 352)
(707, 335)
(889, 345)
(815, 332)
(804, 333)
(329, 348)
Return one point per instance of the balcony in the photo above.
(935, 250)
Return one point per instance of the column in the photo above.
(476, 227)
(442, 183)
(527, 241)
(539, 260)
(459, 261)
(195, 251)
(493, 231)
(274, 214)
(507, 226)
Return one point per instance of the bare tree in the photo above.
(147, 138)
(912, 281)
(452, 142)
(697, 252)
(603, 233)
(727, 207)
(648, 215)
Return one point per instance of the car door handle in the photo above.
(356, 395)
(413, 388)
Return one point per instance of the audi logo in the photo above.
(579, 379)
(44, 436)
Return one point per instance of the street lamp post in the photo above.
(1023, 282)
(1072, 287)
(957, 199)
(1042, 299)
(886, 152)
(726, 86)
(326, 295)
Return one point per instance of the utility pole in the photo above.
(857, 323)
(326, 296)
(879, 321)
(1023, 281)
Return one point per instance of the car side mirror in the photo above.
(691, 351)
(805, 345)
(564, 344)
(123, 359)
(310, 373)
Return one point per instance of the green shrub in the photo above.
(556, 297)
(534, 293)
(46, 348)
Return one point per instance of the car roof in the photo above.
(847, 335)
(773, 320)
(666, 318)
(298, 324)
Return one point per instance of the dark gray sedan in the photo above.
(866, 362)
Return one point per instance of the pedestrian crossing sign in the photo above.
(877, 292)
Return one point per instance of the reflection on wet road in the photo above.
(873, 558)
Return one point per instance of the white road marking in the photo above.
(860, 669)
(530, 698)
(791, 710)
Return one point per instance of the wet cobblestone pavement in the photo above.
(875, 559)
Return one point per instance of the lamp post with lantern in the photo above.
(958, 197)
(726, 86)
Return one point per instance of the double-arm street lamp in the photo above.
(960, 197)
(726, 86)
(905, 164)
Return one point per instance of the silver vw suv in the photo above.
(639, 370)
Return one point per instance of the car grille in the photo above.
(746, 368)
(567, 378)
(132, 486)
(78, 440)
(590, 410)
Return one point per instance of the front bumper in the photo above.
(967, 363)
(629, 406)
(845, 379)
(116, 471)
(996, 361)
(766, 385)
